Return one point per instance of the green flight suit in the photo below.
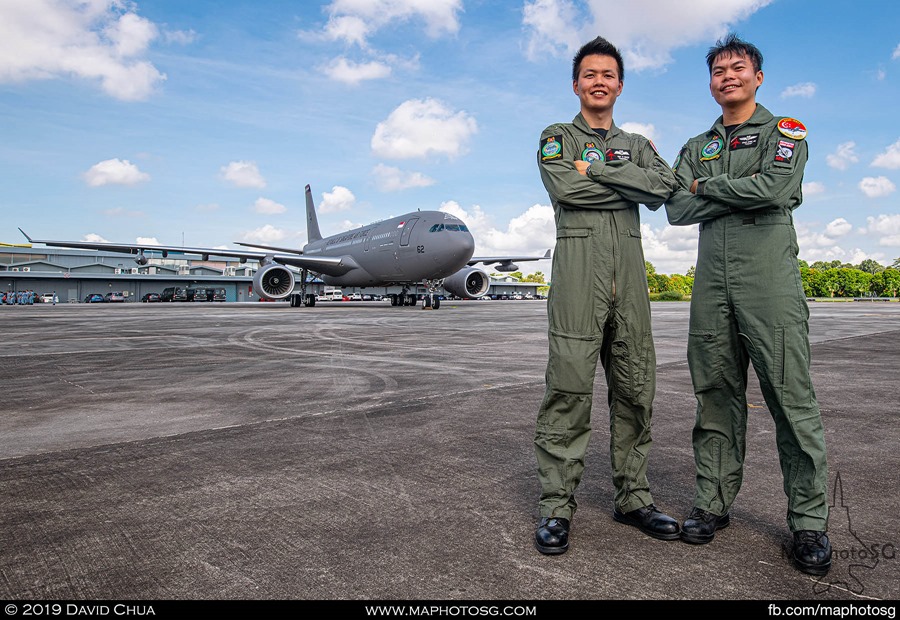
(748, 305)
(598, 307)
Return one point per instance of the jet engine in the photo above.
(470, 282)
(273, 282)
(140, 259)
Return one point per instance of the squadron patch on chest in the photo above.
(792, 128)
(712, 149)
(747, 141)
(784, 152)
(551, 148)
(591, 153)
(617, 154)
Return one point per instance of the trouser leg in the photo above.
(781, 358)
(564, 422)
(629, 359)
(718, 364)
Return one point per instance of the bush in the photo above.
(670, 296)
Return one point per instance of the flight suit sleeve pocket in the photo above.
(704, 359)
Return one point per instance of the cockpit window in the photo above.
(453, 227)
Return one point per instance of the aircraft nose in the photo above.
(466, 244)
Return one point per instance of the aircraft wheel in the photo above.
(393, 299)
(295, 300)
(310, 301)
(411, 300)
(426, 302)
(436, 303)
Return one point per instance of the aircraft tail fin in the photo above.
(312, 222)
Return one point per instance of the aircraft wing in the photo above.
(505, 260)
(328, 265)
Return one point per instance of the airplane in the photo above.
(429, 247)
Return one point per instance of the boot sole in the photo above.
(551, 550)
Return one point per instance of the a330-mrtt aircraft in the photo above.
(431, 247)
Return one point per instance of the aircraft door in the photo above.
(407, 231)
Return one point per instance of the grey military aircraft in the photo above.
(429, 247)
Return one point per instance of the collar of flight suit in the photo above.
(760, 116)
(583, 125)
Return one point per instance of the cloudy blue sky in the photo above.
(202, 121)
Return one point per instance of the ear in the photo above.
(575, 86)
(759, 78)
(621, 84)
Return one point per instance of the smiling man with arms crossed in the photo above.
(741, 181)
(596, 175)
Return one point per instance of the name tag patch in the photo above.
(747, 141)
(551, 148)
(615, 154)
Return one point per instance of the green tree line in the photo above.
(820, 279)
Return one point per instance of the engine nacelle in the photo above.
(141, 260)
(507, 267)
(470, 282)
(273, 282)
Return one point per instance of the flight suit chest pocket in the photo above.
(705, 359)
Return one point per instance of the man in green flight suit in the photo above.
(741, 181)
(596, 174)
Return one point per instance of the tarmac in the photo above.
(358, 451)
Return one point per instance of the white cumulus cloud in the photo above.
(645, 129)
(886, 228)
(114, 172)
(423, 128)
(349, 72)
(671, 249)
(147, 241)
(843, 157)
(813, 188)
(876, 187)
(268, 207)
(646, 32)
(804, 89)
(890, 158)
(531, 233)
(838, 227)
(94, 238)
(353, 21)
(266, 235)
(338, 199)
(97, 40)
(243, 174)
(390, 179)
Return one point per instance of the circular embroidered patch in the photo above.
(551, 148)
(712, 149)
(792, 128)
(592, 154)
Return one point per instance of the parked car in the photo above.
(115, 297)
(356, 297)
(94, 298)
(174, 293)
(150, 297)
(216, 294)
(47, 298)
(198, 294)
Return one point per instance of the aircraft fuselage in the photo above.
(423, 245)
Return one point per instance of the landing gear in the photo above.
(302, 298)
(431, 301)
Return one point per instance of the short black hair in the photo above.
(598, 46)
(733, 45)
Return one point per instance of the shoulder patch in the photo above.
(591, 153)
(792, 128)
(784, 152)
(678, 159)
(551, 148)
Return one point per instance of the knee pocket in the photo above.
(573, 363)
(633, 363)
(791, 367)
(705, 360)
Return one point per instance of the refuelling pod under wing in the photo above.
(273, 282)
(470, 282)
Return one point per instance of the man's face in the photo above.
(598, 84)
(733, 80)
